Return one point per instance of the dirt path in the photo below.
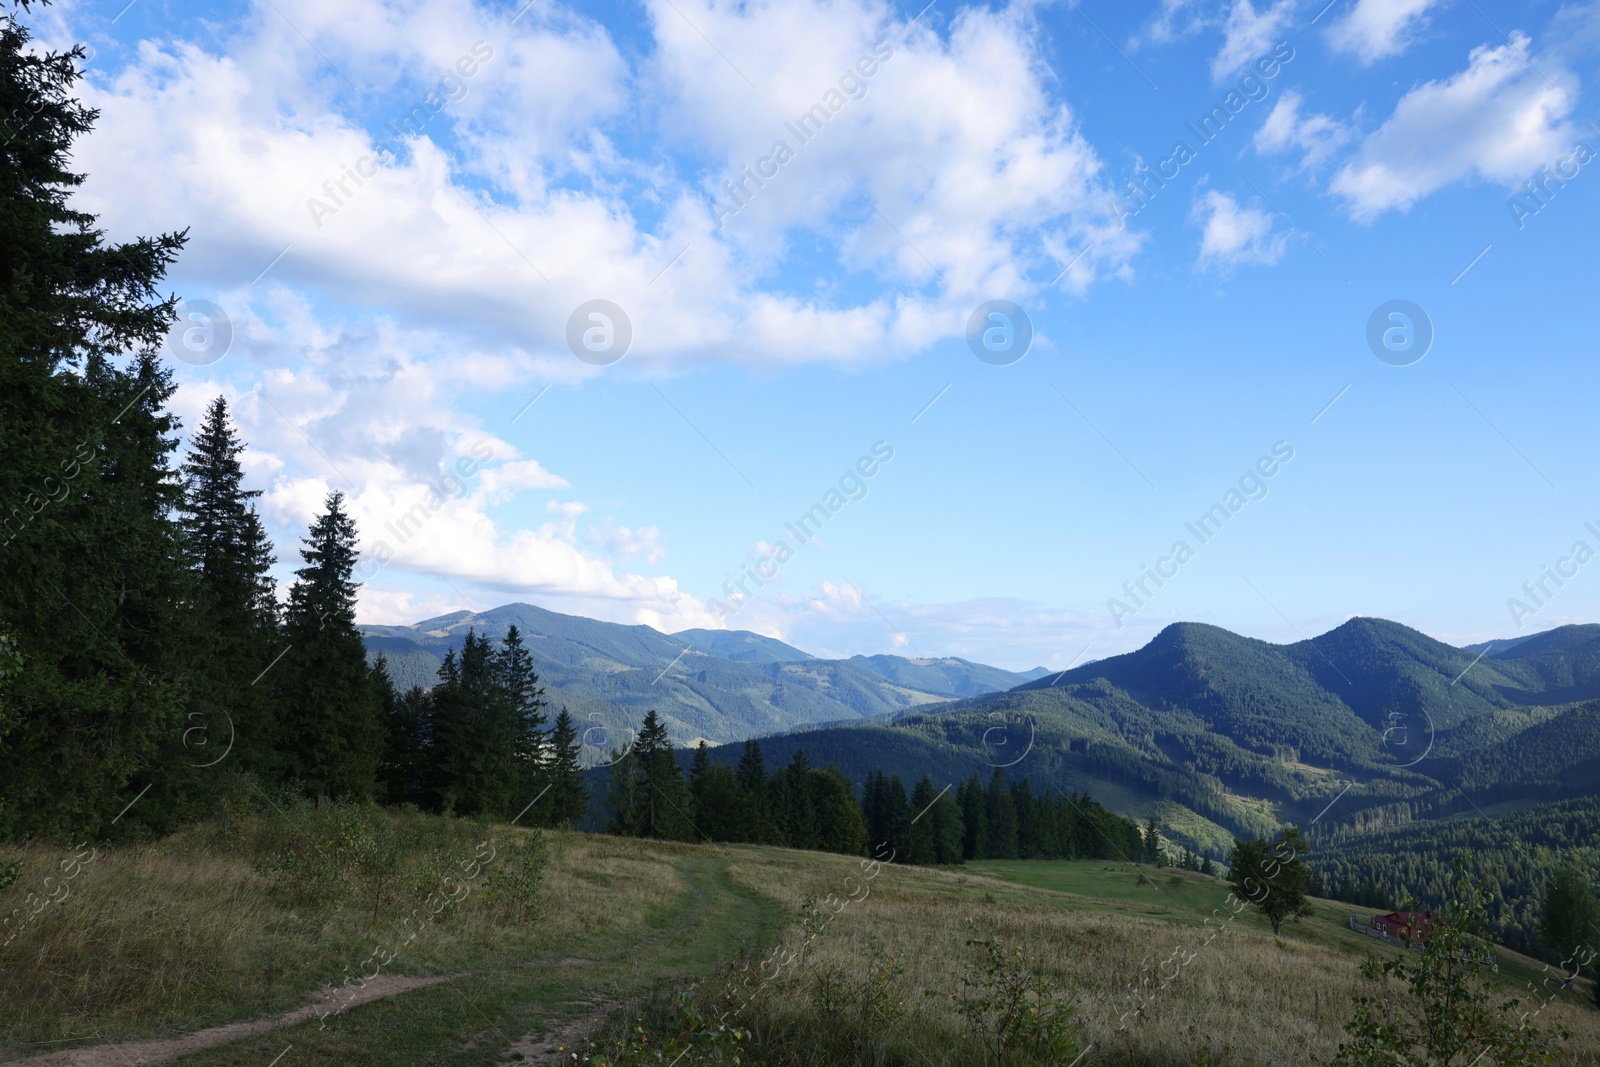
(165, 1050)
(551, 1002)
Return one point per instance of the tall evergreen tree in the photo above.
(405, 773)
(922, 842)
(975, 820)
(234, 610)
(523, 723)
(569, 797)
(948, 831)
(1002, 818)
(650, 799)
(752, 774)
(330, 732)
(89, 573)
(476, 745)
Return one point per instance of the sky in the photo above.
(1055, 323)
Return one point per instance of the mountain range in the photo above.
(714, 685)
(1363, 735)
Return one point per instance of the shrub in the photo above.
(1012, 1006)
(516, 874)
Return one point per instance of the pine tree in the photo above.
(405, 773)
(523, 722)
(922, 842)
(569, 797)
(649, 795)
(330, 732)
(1152, 843)
(793, 809)
(234, 612)
(752, 774)
(477, 734)
(975, 821)
(948, 831)
(89, 575)
(1002, 818)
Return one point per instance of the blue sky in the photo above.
(380, 336)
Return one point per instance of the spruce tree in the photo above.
(922, 843)
(89, 575)
(649, 795)
(476, 749)
(975, 821)
(330, 734)
(234, 612)
(523, 723)
(569, 797)
(752, 774)
(1002, 818)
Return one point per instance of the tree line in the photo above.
(801, 806)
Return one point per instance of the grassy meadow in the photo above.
(819, 959)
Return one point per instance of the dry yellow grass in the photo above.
(184, 933)
(1244, 999)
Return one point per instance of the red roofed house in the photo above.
(1406, 926)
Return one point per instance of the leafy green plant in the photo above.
(1012, 1007)
(515, 875)
(1447, 1014)
(685, 1033)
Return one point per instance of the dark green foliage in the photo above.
(1014, 1009)
(1273, 877)
(1002, 812)
(648, 796)
(1512, 855)
(328, 703)
(759, 825)
(568, 797)
(1447, 1013)
(233, 614)
(1569, 915)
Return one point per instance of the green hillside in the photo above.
(719, 685)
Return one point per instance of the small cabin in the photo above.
(1405, 926)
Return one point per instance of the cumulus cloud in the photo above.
(436, 185)
(514, 202)
(1316, 137)
(1234, 235)
(1499, 120)
(1375, 29)
(1249, 34)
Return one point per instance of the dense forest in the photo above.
(803, 806)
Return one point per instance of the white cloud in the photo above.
(515, 204)
(1286, 129)
(1249, 34)
(1235, 235)
(1500, 119)
(1375, 29)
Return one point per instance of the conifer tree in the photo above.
(975, 821)
(89, 572)
(922, 843)
(569, 797)
(523, 723)
(330, 733)
(649, 797)
(234, 610)
(1002, 818)
(752, 774)
(477, 735)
